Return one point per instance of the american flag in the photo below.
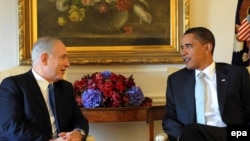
(244, 29)
(241, 51)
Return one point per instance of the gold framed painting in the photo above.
(106, 31)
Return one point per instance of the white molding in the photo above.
(122, 69)
(159, 100)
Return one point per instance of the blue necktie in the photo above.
(53, 104)
(200, 98)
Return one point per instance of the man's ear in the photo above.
(44, 58)
(209, 47)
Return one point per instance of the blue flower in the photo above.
(91, 98)
(107, 89)
(106, 74)
(135, 96)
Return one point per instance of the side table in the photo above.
(127, 114)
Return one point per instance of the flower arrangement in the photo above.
(75, 11)
(107, 89)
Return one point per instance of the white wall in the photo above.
(217, 15)
(8, 34)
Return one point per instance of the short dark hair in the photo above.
(202, 34)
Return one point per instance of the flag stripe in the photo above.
(244, 30)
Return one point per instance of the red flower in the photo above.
(128, 29)
(130, 81)
(99, 78)
(116, 91)
(124, 5)
(116, 100)
(147, 102)
(120, 86)
(114, 78)
(126, 100)
(79, 86)
(102, 8)
(107, 89)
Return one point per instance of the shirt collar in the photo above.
(43, 84)
(209, 71)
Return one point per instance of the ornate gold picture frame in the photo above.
(145, 32)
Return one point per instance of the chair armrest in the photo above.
(161, 137)
(90, 138)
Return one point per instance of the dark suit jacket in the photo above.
(233, 89)
(23, 112)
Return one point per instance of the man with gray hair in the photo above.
(39, 105)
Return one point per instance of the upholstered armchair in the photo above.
(164, 136)
(13, 71)
(21, 69)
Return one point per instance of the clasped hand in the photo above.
(69, 136)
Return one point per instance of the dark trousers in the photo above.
(199, 132)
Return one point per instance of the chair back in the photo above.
(13, 71)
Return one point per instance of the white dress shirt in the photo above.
(212, 112)
(43, 84)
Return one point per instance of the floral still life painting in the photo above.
(105, 22)
(108, 89)
(111, 14)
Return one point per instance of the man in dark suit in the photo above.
(26, 113)
(227, 93)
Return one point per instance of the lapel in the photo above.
(189, 94)
(35, 93)
(223, 79)
(185, 97)
(59, 95)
